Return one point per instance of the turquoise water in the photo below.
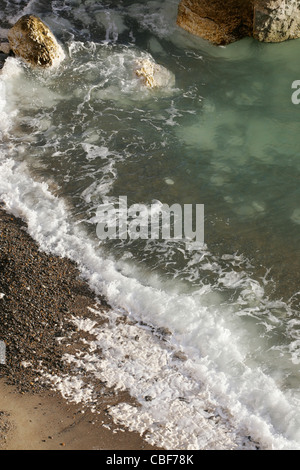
(225, 134)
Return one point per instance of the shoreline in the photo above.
(41, 294)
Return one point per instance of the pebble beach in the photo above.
(40, 294)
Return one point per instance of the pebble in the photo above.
(32, 319)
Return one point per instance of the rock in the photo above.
(33, 41)
(225, 21)
(154, 75)
(5, 48)
(218, 21)
(276, 20)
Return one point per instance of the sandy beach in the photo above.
(40, 293)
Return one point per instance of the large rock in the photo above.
(33, 41)
(225, 21)
(276, 20)
(219, 21)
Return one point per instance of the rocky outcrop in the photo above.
(33, 41)
(219, 21)
(276, 20)
(225, 21)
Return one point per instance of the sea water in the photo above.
(224, 133)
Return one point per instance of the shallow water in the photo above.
(224, 134)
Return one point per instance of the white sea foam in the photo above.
(214, 345)
(8, 76)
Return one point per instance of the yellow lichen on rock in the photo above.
(147, 71)
(33, 41)
(154, 75)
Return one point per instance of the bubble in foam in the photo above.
(295, 217)
(259, 206)
(218, 180)
(169, 181)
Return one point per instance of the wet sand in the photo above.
(41, 293)
(45, 421)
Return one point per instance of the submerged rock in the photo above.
(33, 41)
(5, 48)
(225, 21)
